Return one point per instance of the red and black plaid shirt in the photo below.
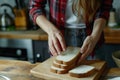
(57, 12)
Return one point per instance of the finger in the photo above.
(51, 52)
(86, 53)
(85, 44)
(51, 47)
(61, 41)
(56, 45)
(83, 56)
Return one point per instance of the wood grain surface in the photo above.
(112, 36)
(17, 70)
(43, 71)
(24, 34)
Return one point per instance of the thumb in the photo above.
(85, 44)
(82, 58)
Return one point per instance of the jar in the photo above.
(112, 21)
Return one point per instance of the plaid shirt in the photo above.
(57, 12)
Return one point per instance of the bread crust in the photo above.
(74, 60)
(58, 71)
(60, 65)
(62, 71)
(63, 66)
(89, 73)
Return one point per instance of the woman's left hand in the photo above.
(87, 47)
(90, 41)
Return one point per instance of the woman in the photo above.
(94, 13)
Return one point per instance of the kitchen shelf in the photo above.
(25, 34)
(112, 36)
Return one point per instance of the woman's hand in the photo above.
(87, 47)
(56, 42)
(90, 41)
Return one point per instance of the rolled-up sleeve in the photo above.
(36, 7)
(104, 10)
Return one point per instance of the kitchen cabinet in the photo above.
(41, 51)
(34, 41)
(112, 44)
(112, 36)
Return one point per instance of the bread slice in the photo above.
(63, 66)
(82, 71)
(69, 56)
(58, 70)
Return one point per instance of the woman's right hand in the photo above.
(56, 42)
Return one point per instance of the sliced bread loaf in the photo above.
(66, 61)
(69, 56)
(58, 70)
(82, 71)
(63, 66)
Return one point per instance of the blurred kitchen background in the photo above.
(17, 10)
(14, 17)
(35, 50)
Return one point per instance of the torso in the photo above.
(70, 17)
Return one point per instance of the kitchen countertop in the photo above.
(25, 34)
(17, 70)
(112, 74)
(112, 36)
(20, 70)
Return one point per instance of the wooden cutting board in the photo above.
(42, 70)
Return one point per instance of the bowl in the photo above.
(116, 58)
